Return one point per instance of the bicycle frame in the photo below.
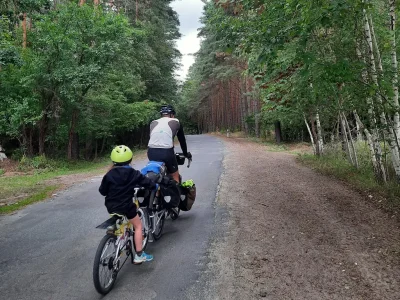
(125, 232)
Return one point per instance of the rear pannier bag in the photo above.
(143, 198)
(170, 194)
(188, 195)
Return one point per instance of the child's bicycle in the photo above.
(116, 247)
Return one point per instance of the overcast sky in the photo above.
(189, 12)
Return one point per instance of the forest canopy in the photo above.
(318, 68)
(77, 77)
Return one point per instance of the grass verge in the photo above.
(17, 191)
(38, 196)
(293, 148)
(44, 176)
(386, 196)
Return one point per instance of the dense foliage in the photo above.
(327, 69)
(76, 78)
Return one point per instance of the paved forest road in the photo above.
(47, 249)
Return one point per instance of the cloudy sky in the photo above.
(189, 12)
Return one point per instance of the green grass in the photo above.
(23, 189)
(32, 187)
(362, 179)
(270, 144)
(38, 196)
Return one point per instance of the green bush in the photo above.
(40, 162)
(18, 154)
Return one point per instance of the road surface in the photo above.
(47, 249)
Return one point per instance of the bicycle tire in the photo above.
(174, 216)
(107, 240)
(157, 234)
(145, 223)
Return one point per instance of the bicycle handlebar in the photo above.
(189, 159)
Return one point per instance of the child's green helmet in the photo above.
(121, 154)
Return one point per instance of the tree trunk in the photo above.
(314, 133)
(319, 135)
(88, 147)
(375, 44)
(311, 135)
(257, 124)
(248, 102)
(243, 108)
(359, 134)
(95, 150)
(345, 139)
(103, 145)
(373, 136)
(81, 2)
(24, 31)
(29, 141)
(377, 164)
(73, 135)
(395, 81)
(278, 132)
(353, 147)
(137, 11)
(75, 146)
(42, 133)
(350, 148)
(24, 144)
(389, 132)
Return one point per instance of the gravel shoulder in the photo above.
(287, 232)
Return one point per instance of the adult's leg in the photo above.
(175, 176)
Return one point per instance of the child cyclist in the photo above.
(118, 188)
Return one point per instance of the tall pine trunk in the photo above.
(24, 34)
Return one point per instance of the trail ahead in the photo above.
(277, 230)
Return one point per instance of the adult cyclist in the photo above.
(161, 144)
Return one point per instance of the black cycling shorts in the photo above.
(130, 211)
(167, 156)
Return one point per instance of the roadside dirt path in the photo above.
(295, 234)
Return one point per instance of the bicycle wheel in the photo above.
(159, 226)
(174, 213)
(144, 218)
(104, 269)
